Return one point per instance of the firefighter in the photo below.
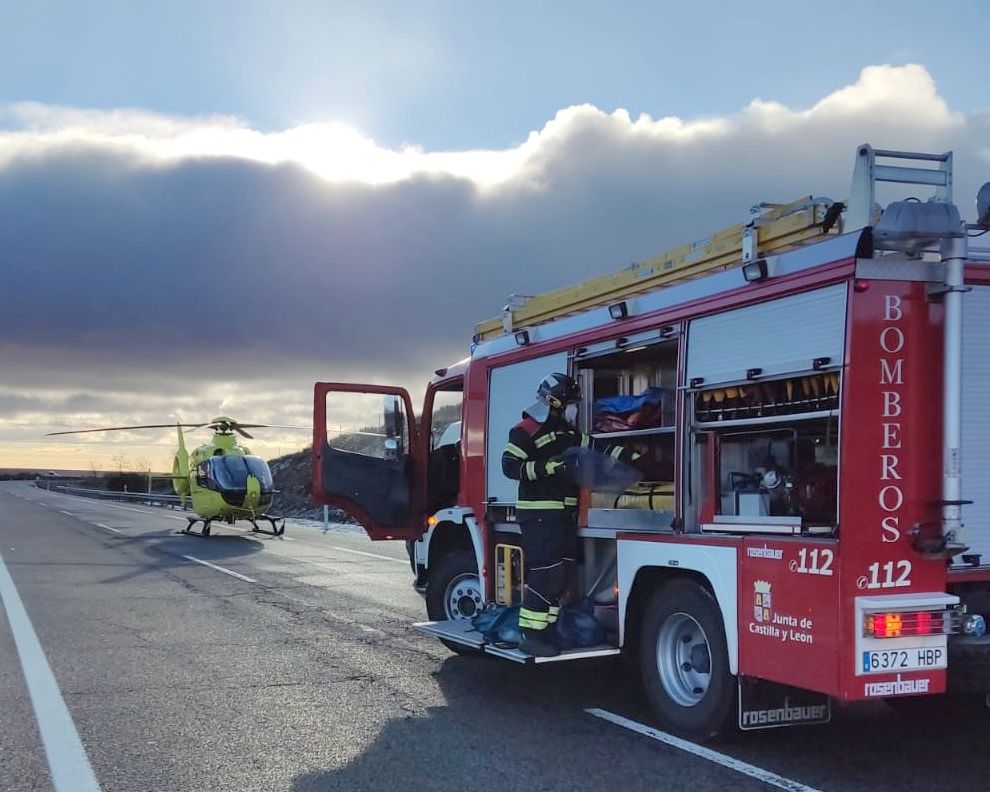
(547, 503)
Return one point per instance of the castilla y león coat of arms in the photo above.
(761, 604)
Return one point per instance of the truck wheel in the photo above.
(684, 660)
(453, 591)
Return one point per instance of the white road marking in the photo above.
(67, 761)
(765, 776)
(101, 525)
(128, 508)
(370, 555)
(65, 512)
(226, 571)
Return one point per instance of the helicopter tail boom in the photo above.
(180, 468)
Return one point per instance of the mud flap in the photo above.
(768, 705)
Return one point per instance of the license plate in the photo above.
(907, 659)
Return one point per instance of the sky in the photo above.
(205, 207)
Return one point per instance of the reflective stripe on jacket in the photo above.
(532, 457)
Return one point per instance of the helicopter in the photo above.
(222, 478)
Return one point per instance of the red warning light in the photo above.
(898, 625)
(884, 625)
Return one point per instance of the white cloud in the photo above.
(337, 152)
(331, 150)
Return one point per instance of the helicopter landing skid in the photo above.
(204, 531)
(277, 523)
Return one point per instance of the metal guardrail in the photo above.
(147, 498)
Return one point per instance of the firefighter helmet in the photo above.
(554, 391)
(558, 390)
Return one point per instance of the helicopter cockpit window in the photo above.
(230, 473)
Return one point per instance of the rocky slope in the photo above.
(292, 474)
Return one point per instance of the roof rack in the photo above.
(772, 229)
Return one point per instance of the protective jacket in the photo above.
(532, 457)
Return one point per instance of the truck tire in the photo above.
(453, 591)
(685, 662)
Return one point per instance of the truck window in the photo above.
(368, 458)
(511, 389)
(368, 424)
(446, 413)
(445, 447)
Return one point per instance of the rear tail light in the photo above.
(910, 623)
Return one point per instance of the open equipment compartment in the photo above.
(629, 388)
(765, 455)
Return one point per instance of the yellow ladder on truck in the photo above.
(774, 228)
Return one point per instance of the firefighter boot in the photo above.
(538, 643)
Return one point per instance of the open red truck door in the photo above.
(367, 457)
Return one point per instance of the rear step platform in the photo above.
(457, 631)
(461, 632)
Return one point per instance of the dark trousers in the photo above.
(549, 542)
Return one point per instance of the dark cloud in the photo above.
(193, 279)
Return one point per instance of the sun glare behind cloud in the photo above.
(339, 153)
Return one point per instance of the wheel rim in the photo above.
(462, 599)
(684, 659)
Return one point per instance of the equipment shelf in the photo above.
(657, 430)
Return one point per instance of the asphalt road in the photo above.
(300, 672)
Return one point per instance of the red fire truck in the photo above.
(818, 380)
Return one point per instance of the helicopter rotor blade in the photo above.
(119, 429)
(215, 425)
(271, 426)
